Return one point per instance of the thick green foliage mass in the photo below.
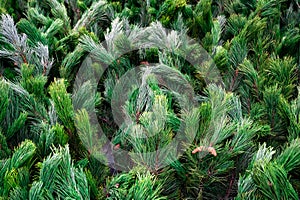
(241, 141)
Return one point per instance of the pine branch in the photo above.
(19, 53)
(89, 137)
(59, 11)
(290, 157)
(59, 178)
(34, 35)
(23, 154)
(63, 104)
(137, 184)
(92, 15)
(265, 178)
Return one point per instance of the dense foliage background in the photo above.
(247, 131)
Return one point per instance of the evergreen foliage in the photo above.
(238, 140)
